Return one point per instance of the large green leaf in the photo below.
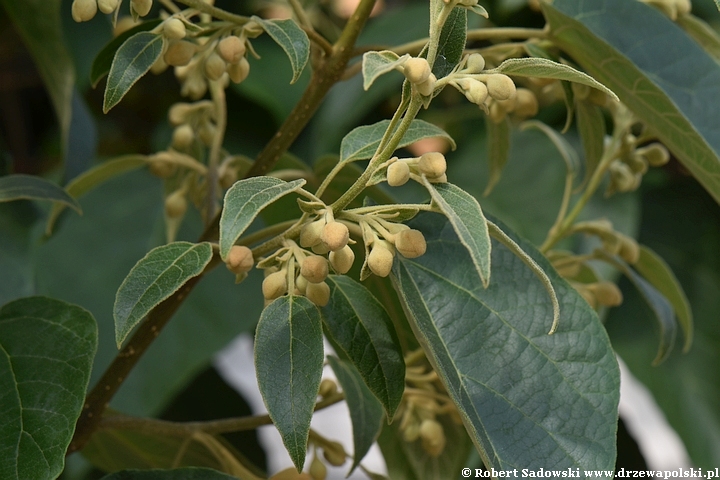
(243, 202)
(16, 187)
(361, 143)
(288, 362)
(366, 413)
(132, 60)
(292, 39)
(528, 399)
(38, 21)
(153, 279)
(609, 39)
(362, 330)
(465, 215)
(46, 353)
(17, 244)
(189, 473)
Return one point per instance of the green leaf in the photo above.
(702, 33)
(190, 473)
(659, 275)
(288, 363)
(479, 10)
(16, 187)
(498, 135)
(609, 40)
(90, 179)
(451, 43)
(363, 331)
(567, 151)
(292, 39)
(375, 64)
(39, 23)
(528, 399)
(104, 60)
(244, 200)
(591, 127)
(153, 279)
(366, 413)
(545, 68)
(361, 143)
(132, 60)
(660, 306)
(467, 219)
(46, 354)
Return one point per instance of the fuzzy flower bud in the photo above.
(342, 260)
(179, 113)
(231, 49)
(500, 87)
(656, 154)
(108, 6)
(432, 164)
(327, 387)
(176, 204)
(274, 285)
(526, 104)
(606, 293)
(239, 259)
(475, 63)
(318, 293)
(380, 260)
(410, 243)
(427, 87)
(474, 90)
(314, 268)
(398, 173)
(335, 235)
(174, 29)
(433, 437)
(141, 7)
(310, 233)
(183, 137)
(318, 470)
(239, 71)
(417, 70)
(629, 249)
(84, 10)
(179, 53)
(334, 453)
(214, 67)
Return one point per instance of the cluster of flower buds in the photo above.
(85, 10)
(418, 73)
(328, 236)
(627, 170)
(671, 8)
(384, 238)
(431, 164)
(192, 122)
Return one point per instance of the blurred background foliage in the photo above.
(123, 218)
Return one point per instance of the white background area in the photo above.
(658, 442)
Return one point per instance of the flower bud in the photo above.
(380, 260)
(314, 268)
(417, 70)
(318, 293)
(179, 113)
(207, 133)
(327, 387)
(161, 166)
(475, 63)
(275, 285)
(410, 243)
(342, 260)
(411, 432)
(176, 204)
(214, 67)
(432, 164)
(141, 7)
(500, 87)
(179, 53)
(239, 259)
(318, 470)
(108, 6)
(84, 10)
(183, 137)
(228, 178)
(526, 104)
(606, 293)
(629, 249)
(174, 29)
(301, 284)
(497, 113)
(398, 173)
(334, 453)
(335, 235)
(310, 233)
(441, 179)
(476, 92)
(320, 248)
(239, 71)
(656, 154)
(231, 49)
(427, 87)
(433, 437)
(622, 178)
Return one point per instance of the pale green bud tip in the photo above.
(500, 87)
(239, 259)
(183, 137)
(108, 6)
(417, 70)
(176, 204)
(141, 7)
(84, 10)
